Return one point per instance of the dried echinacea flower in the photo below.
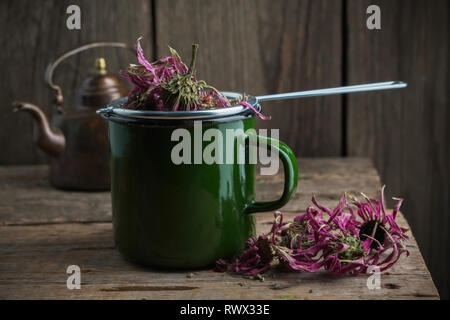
(147, 77)
(255, 259)
(341, 241)
(185, 92)
(380, 232)
(168, 85)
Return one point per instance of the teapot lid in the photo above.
(100, 87)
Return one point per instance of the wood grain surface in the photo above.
(27, 198)
(38, 244)
(263, 47)
(33, 262)
(34, 34)
(406, 132)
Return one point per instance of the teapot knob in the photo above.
(100, 65)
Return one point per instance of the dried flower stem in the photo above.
(191, 70)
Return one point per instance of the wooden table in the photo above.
(43, 231)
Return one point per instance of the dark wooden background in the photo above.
(261, 47)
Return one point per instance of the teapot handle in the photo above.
(51, 67)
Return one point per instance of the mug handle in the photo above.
(290, 176)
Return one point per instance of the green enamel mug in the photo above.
(184, 215)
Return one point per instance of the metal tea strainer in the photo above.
(116, 109)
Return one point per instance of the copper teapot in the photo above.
(77, 139)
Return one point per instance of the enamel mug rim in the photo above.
(114, 110)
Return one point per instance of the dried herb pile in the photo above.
(169, 85)
(349, 239)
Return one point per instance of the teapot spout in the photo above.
(50, 140)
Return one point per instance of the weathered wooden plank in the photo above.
(41, 252)
(35, 33)
(27, 198)
(406, 132)
(262, 47)
(33, 261)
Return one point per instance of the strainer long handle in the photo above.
(338, 90)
